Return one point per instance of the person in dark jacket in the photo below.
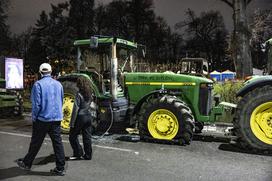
(81, 121)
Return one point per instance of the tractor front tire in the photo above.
(166, 118)
(70, 89)
(253, 120)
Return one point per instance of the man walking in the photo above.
(46, 98)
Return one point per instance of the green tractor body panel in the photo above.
(10, 103)
(6, 100)
(194, 91)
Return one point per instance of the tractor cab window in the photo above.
(93, 62)
(97, 64)
(185, 67)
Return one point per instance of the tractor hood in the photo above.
(167, 78)
(194, 91)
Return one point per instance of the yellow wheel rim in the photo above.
(261, 122)
(67, 109)
(163, 124)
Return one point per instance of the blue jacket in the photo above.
(47, 99)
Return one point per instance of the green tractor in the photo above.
(11, 102)
(163, 106)
(253, 118)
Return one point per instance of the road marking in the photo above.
(66, 141)
(15, 134)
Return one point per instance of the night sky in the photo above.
(24, 13)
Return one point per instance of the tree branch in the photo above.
(229, 3)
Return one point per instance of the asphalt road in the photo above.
(206, 159)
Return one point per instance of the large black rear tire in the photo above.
(253, 119)
(166, 118)
(70, 90)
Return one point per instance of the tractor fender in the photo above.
(73, 78)
(252, 84)
(158, 92)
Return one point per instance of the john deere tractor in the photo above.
(253, 119)
(163, 106)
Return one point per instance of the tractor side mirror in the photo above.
(143, 53)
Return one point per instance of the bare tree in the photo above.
(240, 38)
(4, 28)
(262, 32)
(206, 37)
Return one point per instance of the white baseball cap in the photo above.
(45, 68)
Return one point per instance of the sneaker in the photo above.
(85, 157)
(22, 165)
(76, 158)
(55, 171)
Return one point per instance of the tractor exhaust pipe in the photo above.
(114, 65)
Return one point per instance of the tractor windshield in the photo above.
(195, 66)
(99, 59)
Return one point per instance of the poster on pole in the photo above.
(14, 73)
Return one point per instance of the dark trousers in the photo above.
(39, 131)
(83, 125)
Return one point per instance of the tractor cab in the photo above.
(193, 66)
(104, 60)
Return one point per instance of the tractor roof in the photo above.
(193, 60)
(107, 41)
